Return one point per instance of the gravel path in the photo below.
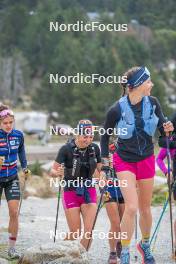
(38, 219)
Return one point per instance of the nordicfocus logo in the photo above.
(81, 78)
(81, 26)
(80, 182)
(88, 235)
(56, 130)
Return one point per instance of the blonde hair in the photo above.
(84, 122)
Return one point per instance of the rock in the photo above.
(3, 261)
(66, 260)
(68, 252)
(38, 186)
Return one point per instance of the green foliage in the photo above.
(174, 73)
(158, 199)
(25, 27)
(163, 45)
(13, 26)
(36, 168)
(160, 195)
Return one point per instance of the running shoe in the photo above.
(125, 256)
(145, 251)
(112, 258)
(13, 254)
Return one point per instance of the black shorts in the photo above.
(11, 189)
(114, 200)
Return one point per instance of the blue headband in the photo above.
(85, 129)
(139, 77)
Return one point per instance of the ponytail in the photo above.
(128, 74)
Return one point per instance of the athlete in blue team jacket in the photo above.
(11, 147)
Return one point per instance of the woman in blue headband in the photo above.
(136, 117)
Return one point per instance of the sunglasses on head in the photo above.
(6, 112)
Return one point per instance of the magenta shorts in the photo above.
(144, 169)
(70, 199)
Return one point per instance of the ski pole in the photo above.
(155, 233)
(27, 173)
(96, 216)
(170, 192)
(2, 159)
(159, 221)
(57, 212)
(136, 230)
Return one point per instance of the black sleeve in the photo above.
(62, 155)
(174, 167)
(112, 117)
(172, 143)
(162, 143)
(159, 114)
(22, 153)
(97, 153)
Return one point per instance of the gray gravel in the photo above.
(38, 219)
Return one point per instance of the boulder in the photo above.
(68, 252)
(3, 261)
(38, 186)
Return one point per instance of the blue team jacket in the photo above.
(12, 147)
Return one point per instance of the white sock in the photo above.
(12, 241)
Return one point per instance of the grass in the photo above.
(159, 195)
(160, 173)
(36, 168)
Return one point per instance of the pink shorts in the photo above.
(144, 169)
(70, 199)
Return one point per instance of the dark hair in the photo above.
(128, 75)
(3, 107)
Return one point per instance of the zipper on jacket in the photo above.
(8, 154)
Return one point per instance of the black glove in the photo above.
(107, 171)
